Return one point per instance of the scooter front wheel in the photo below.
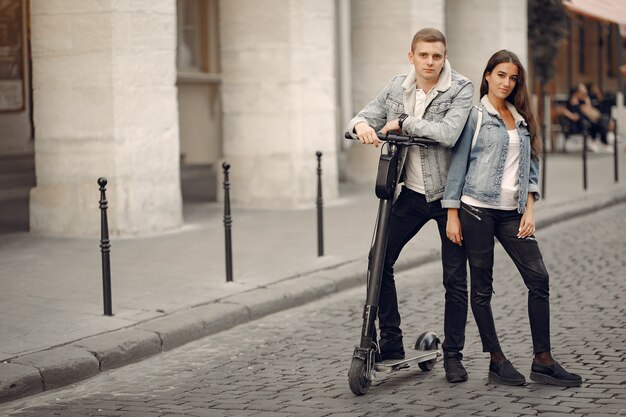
(358, 378)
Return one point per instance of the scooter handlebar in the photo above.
(398, 139)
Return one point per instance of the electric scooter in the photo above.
(364, 366)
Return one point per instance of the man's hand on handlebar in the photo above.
(366, 134)
(391, 126)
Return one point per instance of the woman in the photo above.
(490, 192)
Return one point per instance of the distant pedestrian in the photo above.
(583, 114)
(431, 101)
(492, 181)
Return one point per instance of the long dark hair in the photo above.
(519, 97)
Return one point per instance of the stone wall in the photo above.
(104, 88)
(381, 40)
(476, 29)
(279, 100)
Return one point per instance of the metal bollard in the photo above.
(547, 136)
(585, 150)
(544, 170)
(320, 203)
(615, 157)
(227, 224)
(105, 248)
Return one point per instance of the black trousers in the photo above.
(409, 213)
(480, 226)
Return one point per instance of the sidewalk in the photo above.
(170, 289)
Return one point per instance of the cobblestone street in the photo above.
(296, 362)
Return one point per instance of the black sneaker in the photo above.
(391, 348)
(554, 375)
(455, 371)
(505, 373)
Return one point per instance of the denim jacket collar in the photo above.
(519, 119)
(443, 84)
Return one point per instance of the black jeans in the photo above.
(409, 213)
(479, 226)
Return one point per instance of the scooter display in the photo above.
(364, 366)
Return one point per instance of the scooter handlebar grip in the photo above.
(398, 138)
(352, 136)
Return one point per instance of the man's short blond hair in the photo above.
(428, 35)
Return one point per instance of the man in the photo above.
(431, 101)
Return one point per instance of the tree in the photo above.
(547, 26)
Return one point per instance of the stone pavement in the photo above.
(170, 289)
(295, 362)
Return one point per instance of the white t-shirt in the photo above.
(509, 192)
(414, 178)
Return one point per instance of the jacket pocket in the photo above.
(439, 106)
(489, 133)
(437, 110)
(394, 107)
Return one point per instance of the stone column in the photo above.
(278, 96)
(381, 40)
(476, 29)
(105, 98)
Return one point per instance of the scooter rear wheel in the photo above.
(427, 341)
(357, 377)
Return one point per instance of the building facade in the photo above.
(155, 94)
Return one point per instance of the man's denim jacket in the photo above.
(443, 120)
(477, 171)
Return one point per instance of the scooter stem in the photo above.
(370, 310)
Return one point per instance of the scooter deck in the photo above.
(417, 356)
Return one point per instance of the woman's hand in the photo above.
(527, 224)
(453, 227)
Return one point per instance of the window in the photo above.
(610, 50)
(198, 43)
(581, 48)
(11, 55)
(189, 36)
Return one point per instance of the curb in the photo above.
(63, 365)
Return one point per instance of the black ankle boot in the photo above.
(455, 371)
(505, 373)
(554, 375)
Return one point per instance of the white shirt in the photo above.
(414, 178)
(510, 178)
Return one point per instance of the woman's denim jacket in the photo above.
(477, 172)
(443, 121)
